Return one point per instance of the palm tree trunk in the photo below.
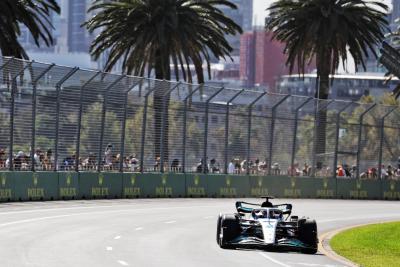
(162, 73)
(322, 94)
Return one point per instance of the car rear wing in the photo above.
(246, 207)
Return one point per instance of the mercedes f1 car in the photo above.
(266, 226)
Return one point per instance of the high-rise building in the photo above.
(78, 40)
(262, 60)
(243, 16)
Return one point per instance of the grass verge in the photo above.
(376, 245)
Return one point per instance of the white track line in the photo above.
(124, 263)
(273, 260)
(86, 213)
(109, 248)
(170, 222)
(117, 237)
(139, 229)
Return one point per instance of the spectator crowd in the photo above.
(44, 161)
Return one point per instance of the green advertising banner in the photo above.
(357, 188)
(196, 185)
(35, 185)
(100, 185)
(227, 186)
(292, 187)
(138, 185)
(391, 190)
(25, 186)
(174, 184)
(260, 186)
(68, 185)
(6, 187)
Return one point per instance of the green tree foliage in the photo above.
(151, 35)
(34, 14)
(324, 31)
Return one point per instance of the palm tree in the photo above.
(150, 35)
(34, 14)
(325, 31)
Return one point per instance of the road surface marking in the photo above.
(124, 263)
(139, 229)
(314, 264)
(170, 222)
(117, 237)
(273, 260)
(108, 248)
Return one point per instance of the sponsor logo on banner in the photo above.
(259, 190)
(164, 191)
(132, 190)
(35, 192)
(292, 192)
(358, 193)
(392, 194)
(228, 191)
(68, 191)
(196, 190)
(325, 192)
(5, 193)
(100, 191)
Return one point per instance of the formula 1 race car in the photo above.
(266, 226)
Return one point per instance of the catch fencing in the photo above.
(58, 118)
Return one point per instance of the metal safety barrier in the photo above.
(58, 118)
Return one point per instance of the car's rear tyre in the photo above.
(229, 230)
(219, 227)
(308, 234)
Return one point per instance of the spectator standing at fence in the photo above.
(276, 170)
(231, 167)
(201, 167)
(214, 166)
(3, 158)
(134, 163)
(390, 171)
(384, 173)
(108, 157)
(340, 171)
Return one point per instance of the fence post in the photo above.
(206, 128)
(316, 124)
(78, 141)
(250, 109)
(271, 143)
(103, 118)
(144, 121)
(335, 156)
(296, 122)
(58, 91)
(185, 125)
(164, 124)
(361, 118)
(34, 91)
(381, 137)
(12, 111)
(227, 128)
(121, 162)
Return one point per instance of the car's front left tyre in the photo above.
(229, 230)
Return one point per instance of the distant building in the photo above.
(77, 36)
(262, 60)
(243, 16)
(344, 87)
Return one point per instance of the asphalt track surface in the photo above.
(156, 232)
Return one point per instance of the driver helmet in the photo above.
(260, 214)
